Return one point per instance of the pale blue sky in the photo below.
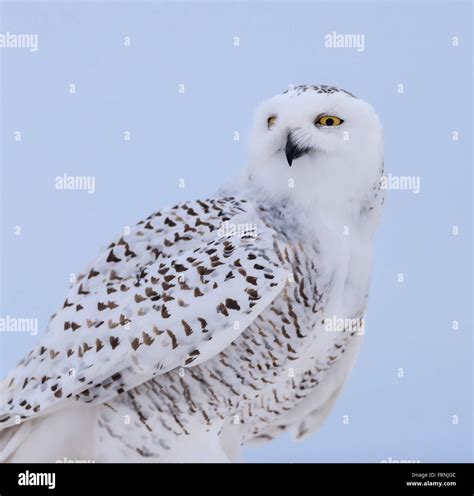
(190, 136)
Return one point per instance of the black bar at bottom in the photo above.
(380, 478)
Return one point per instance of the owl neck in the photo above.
(311, 208)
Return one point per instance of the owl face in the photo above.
(316, 146)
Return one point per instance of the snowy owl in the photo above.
(219, 322)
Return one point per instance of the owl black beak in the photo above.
(293, 150)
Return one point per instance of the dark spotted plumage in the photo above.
(180, 302)
(131, 300)
(321, 88)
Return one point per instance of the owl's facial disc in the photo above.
(318, 146)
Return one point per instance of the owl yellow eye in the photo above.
(329, 120)
(271, 121)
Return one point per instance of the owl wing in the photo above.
(124, 323)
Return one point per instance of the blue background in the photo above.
(191, 136)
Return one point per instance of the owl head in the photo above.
(318, 146)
